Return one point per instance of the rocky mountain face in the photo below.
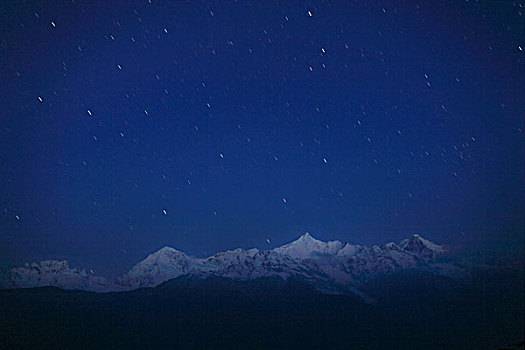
(330, 266)
(53, 273)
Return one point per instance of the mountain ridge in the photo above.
(331, 266)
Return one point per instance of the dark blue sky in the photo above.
(214, 125)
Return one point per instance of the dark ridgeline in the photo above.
(413, 310)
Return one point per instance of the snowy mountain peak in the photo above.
(327, 265)
(308, 247)
(421, 246)
(158, 267)
(167, 251)
(53, 273)
(418, 240)
(304, 240)
(307, 236)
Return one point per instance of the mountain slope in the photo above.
(158, 267)
(330, 266)
(308, 247)
(53, 273)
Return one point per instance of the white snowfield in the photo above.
(330, 266)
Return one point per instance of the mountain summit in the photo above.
(158, 267)
(308, 247)
(422, 247)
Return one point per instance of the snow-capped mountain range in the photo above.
(331, 266)
(53, 273)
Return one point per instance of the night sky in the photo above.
(212, 125)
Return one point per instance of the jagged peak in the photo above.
(306, 237)
(348, 250)
(236, 251)
(306, 255)
(417, 242)
(307, 246)
(390, 245)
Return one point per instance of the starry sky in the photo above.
(211, 125)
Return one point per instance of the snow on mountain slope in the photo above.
(254, 264)
(308, 247)
(327, 265)
(311, 259)
(54, 273)
(349, 250)
(421, 247)
(158, 267)
(169, 263)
